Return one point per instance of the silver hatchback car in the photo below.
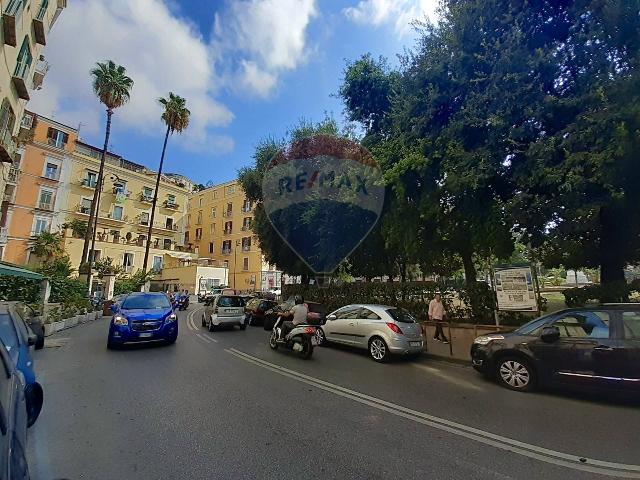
(381, 329)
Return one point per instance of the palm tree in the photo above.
(112, 86)
(176, 117)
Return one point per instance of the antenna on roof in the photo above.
(80, 124)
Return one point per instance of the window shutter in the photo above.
(51, 133)
(65, 137)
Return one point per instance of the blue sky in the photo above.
(249, 69)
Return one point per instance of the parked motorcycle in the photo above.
(300, 340)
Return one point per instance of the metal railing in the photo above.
(14, 8)
(246, 248)
(228, 213)
(226, 251)
(12, 176)
(45, 206)
(146, 198)
(168, 204)
(228, 231)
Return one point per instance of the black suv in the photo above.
(596, 347)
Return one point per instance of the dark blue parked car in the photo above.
(18, 339)
(142, 318)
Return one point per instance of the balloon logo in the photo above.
(323, 195)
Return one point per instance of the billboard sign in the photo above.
(515, 291)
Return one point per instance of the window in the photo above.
(199, 220)
(186, 237)
(9, 336)
(169, 223)
(226, 246)
(210, 247)
(230, 301)
(398, 314)
(188, 220)
(171, 199)
(228, 227)
(631, 325)
(198, 233)
(584, 324)
(157, 263)
(94, 256)
(212, 229)
(56, 138)
(144, 218)
(229, 210)
(347, 312)
(85, 206)
(246, 207)
(127, 262)
(147, 193)
(117, 212)
(144, 302)
(23, 64)
(246, 223)
(51, 171)
(215, 194)
(213, 212)
(231, 189)
(245, 263)
(246, 244)
(46, 199)
(200, 202)
(120, 188)
(91, 180)
(7, 118)
(167, 243)
(41, 224)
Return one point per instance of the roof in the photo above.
(12, 270)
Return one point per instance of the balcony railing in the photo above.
(52, 175)
(19, 79)
(146, 198)
(7, 145)
(13, 10)
(38, 23)
(247, 208)
(88, 182)
(4, 234)
(121, 218)
(157, 225)
(228, 231)
(170, 204)
(246, 248)
(83, 210)
(246, 227)
(48, 206)
(42, 67)
(121, 191)
(14, 173)
(226, 251)
(228, 213)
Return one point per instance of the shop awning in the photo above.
(15, 271)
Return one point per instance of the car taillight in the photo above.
(310, 330)
(395, 328)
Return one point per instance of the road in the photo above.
(223, 405)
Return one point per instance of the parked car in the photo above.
(256, 308)
(596, 347)
(142, 318)
(316, 315)
(13, 411)
(382, 330)
(33, 320)
(18, 339)
(224, 311)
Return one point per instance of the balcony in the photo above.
(4, 235)
(42, 67)
(19, 78)
(228, 231)
(227, 214)
(13, 10)
(46, 206)
(159, 226)
(13, 175)
(38, 24)
(121, 191)
(247, 208)
(246, 228)
(82, 210)
(226, 251)
(146, 198)
(171, 205)
(89, 183)
(7, 146)
(246, 248)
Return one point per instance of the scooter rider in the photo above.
(299, 313)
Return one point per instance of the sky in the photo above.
(249, 70)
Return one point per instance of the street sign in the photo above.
(515, 290)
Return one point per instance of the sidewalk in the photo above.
(461, 338)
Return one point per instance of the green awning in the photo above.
(15, 271)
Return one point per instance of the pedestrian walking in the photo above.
(436, 314)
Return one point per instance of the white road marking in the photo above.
(449, 378)
(202, 337)
(575, 462)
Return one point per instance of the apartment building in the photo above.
(219, 225)
(57, 177)
(25, 28)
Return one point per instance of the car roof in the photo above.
(601, 306)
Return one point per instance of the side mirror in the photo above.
(114, 307)
(331, 317)
(550, 334)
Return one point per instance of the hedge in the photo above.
(19, 288)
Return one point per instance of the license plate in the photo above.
(415, 344)
(145, 335)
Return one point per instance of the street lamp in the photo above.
(235, 263)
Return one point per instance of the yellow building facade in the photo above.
(66, 169)
(25, 29)
(219, 225)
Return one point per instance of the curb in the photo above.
(76, 325)
(442, 358)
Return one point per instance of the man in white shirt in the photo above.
(298, 314)
(436, 314)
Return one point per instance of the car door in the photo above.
(628, 350)
(340, 325)
(367, 322)
(583, 353)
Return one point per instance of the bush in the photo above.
(614, 292)
(19, 288)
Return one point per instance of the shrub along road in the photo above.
(223, 405)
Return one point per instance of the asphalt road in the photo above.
(223, 405)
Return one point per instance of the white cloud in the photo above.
(399, 12)
(267, 37)
(161, 53)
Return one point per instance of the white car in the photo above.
(224, 310)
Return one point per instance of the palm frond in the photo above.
(111, 84)
(176, 114)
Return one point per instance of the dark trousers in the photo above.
(287, 326)
(439, 332)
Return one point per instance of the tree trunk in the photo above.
(612, 260)
(470, 274)
(153, 205)
(95, 202)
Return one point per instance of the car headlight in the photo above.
(485, 339)
(120, 320)
(171, 318)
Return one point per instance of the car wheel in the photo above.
(212, 327)
(204, 321)
(273, 342)
(33, 398)
(515, 373)
(378, 349)
(321, 340)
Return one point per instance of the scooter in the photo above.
(300, 340)
(183, 302)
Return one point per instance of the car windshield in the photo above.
(229, 301)
(400, 315)
(140, 302)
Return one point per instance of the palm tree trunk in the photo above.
(155, 200)
(95, 202)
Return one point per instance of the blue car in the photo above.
(142, 318)
(19, 339)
